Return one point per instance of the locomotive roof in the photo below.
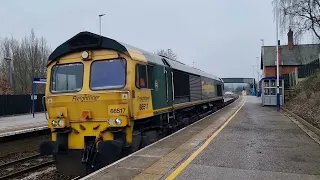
(90, 41)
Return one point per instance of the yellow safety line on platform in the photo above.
(177, 171)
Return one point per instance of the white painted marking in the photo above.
(23, 131)
(134, 154)
(148, 156)
(129, 168)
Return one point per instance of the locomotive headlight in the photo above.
(118, 121)
(86, 55)
(54, 123)
(111, 121)
(61, 123)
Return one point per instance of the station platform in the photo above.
(11, 125)
(242, 141)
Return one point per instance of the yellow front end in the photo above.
(87, 110)
(89, 105)
(88, 115)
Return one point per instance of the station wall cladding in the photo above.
(19, 104)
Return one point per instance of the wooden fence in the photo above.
(308, 69)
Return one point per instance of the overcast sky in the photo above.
(221, 37)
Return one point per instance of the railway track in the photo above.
(23, 166)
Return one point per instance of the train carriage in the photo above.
(105, 99)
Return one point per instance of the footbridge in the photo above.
(251, 82)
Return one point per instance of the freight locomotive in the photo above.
(105, 99)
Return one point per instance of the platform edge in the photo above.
(302, 121)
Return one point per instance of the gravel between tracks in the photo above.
(48, 173)
(14, 156)
(13, 150)
(23, 165)
(17, 149)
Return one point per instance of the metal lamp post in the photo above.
(100, 15)
(262, 45)
(8, 59)
(278, 90)
(253, 84)
(258, 86)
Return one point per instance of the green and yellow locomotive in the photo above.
(105, 99)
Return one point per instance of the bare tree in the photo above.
(29, 57)
(4, 85)
(167, 53)
(302, 16)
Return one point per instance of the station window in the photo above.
(144, 76)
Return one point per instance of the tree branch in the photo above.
(301, 16)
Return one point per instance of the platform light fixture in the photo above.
(100, 15)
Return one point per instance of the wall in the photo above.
(271, 70)
(19, 104)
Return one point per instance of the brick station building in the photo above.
(291, 56)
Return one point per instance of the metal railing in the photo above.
(308, 69)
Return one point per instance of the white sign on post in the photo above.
(34, 97)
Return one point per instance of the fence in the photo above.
(286, 81)
(302, 72)
(290, 80)
(308, 69)
(19, 104)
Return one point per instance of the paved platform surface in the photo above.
(259, 143)
(15, 124)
